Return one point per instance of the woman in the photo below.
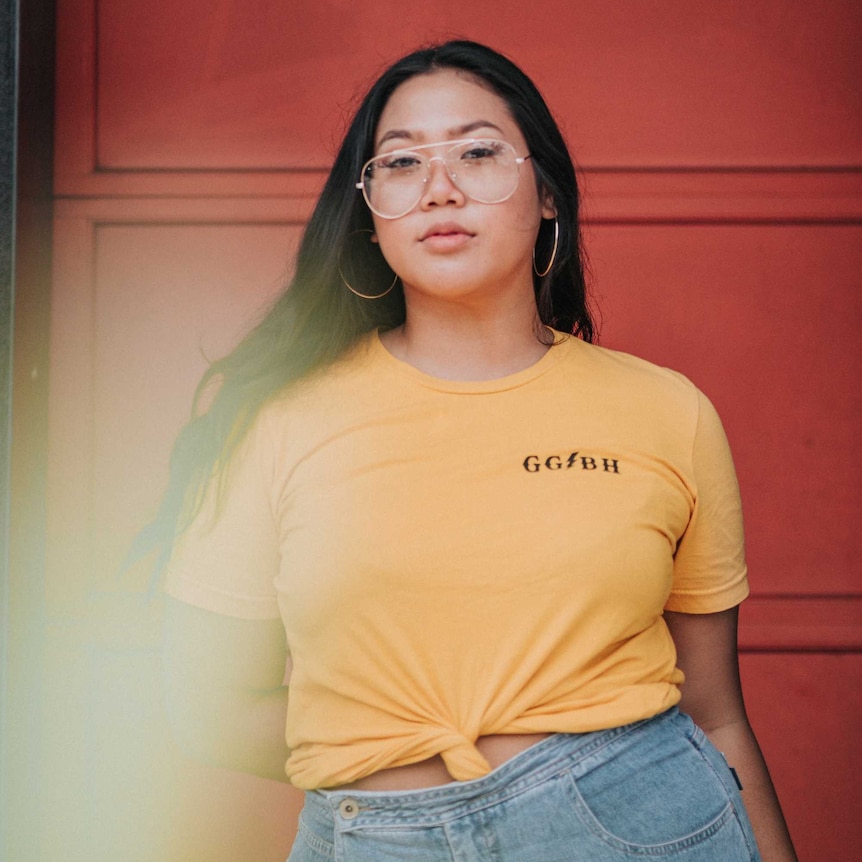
(505, 562)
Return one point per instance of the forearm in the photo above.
(738, 744)
(712, 696)
(225, 687)
(251, 736)
(242, 731)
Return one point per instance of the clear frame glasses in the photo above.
(486, 170)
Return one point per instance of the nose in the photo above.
(440, 188)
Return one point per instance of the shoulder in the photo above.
(355, 367)
(317, 403)
(638, 381)
(639, 398)
(628, 367)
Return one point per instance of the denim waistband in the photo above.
(534, 765)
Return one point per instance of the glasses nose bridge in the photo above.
(447, 167)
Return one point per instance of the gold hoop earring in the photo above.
(351, 288)
(553, 252)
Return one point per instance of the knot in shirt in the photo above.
(463, 760)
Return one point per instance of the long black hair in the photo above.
(316, 320)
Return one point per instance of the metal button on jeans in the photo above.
(348, 808)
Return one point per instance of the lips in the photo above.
(444, 230)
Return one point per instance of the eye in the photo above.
(398, 163)
(483, 151)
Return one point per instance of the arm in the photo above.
(224, 683)
(712, 696)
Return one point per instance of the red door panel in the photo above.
(230, 85)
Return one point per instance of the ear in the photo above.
(374, 237)
(549, 209)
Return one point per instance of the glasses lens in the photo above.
(485, 171)
(393, 183)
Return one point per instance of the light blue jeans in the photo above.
(655, 789)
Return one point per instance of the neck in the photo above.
(459, 346)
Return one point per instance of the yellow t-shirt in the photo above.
(455, 559)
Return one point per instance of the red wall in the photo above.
(721, 145)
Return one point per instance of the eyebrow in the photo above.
(456, 132)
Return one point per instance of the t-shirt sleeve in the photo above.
(227, 560)
(710, 573)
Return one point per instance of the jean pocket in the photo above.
(651, 792)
